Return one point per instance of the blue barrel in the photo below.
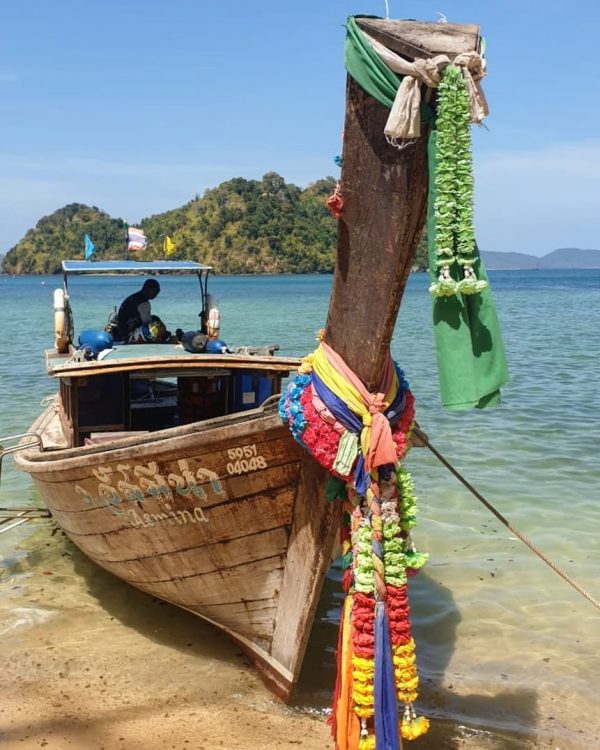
(95, 340)
(216, 346)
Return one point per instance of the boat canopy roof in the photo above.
(132, 266)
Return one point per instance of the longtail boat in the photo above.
(223, 513)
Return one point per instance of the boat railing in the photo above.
(11, 517)
(19, 445)
(270, 400)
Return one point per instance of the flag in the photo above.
(136, 239)
(89, 247)
(168, 245)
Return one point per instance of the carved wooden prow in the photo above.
(385, 202)
(385, 193)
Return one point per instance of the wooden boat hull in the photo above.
(227, 519)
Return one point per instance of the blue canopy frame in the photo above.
(132, 266)
(151, 267)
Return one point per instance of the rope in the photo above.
(422, 436)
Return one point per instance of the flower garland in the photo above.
(335, 202)
(454, 230)
(376, 653)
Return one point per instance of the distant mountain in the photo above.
(566, 257)
(571, 257)
(496, 261)
(241, 226)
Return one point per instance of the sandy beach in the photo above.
(90, 663)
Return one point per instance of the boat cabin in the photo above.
(130, 389)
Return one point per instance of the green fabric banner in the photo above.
(469, 347)
(468, 342)
(367, 68)
(370, 72)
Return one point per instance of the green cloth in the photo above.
(367, 68)
(469, 348)
(370, 72)
(468, 342)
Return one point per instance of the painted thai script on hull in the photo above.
(136, 483)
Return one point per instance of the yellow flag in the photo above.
(169, 247)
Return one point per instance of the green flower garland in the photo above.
(407, 507)
(454, 230)
(364, 575)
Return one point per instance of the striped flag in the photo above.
(136, 239)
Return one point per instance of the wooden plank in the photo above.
(275, 477)
(217, 478)
(260, 580)
(256, 624)
(418, 39)
(221, 433)
(155, 531)
(385, 193)
(203, 558)
(177, 363)
(314, 529)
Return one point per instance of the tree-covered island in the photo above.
(241, 226)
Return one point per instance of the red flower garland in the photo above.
(323, 440)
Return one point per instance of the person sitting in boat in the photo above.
(135, 310)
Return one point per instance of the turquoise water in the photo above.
(503, 642)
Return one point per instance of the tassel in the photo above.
(332, 720)
(345, 725)
(386, 706)
(445, 286)
(470, 284)
(335, 202)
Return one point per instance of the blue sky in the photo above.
(136, 107)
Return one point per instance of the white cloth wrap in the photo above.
(404, 121)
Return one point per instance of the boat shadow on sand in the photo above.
(153, 618)
(458, 720)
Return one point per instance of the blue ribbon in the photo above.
(385, 703)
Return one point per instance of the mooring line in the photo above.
(423, 437)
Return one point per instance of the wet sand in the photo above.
(89, 662)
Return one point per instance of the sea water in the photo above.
(504, 644)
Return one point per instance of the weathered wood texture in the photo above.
(315, 527)
(413, 39)
(169, 363)
(244, 545)
(385, 194)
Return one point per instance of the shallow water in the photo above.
(506, 649)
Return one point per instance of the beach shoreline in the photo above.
(89, 662)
